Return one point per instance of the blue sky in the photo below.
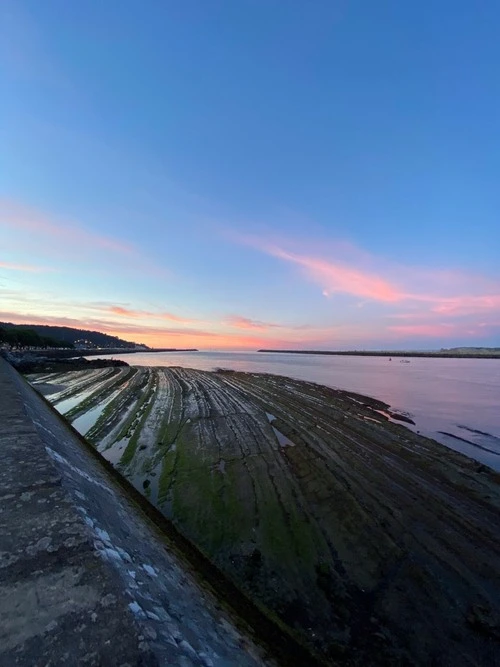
(239, 174)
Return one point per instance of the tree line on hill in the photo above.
(24, 337)
(43, 335)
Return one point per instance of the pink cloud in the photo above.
(425, 330)
(417, 315)
(468, 305)
(23, 267)
(20, 217)
(459, 328)
(429, 292)
(335, 277)
(71, 245)
(239, 322)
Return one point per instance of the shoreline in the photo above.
(473, 439)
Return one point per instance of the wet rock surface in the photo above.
(85, 578)
(373, 544)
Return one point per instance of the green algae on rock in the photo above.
(372, 543)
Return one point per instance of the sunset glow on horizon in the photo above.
(253, 176)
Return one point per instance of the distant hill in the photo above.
(472, 350)
(23, 337)
(80, 338)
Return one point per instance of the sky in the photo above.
(239, 174)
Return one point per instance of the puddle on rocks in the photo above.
(282, 439)
(69, 403)
(85, 422)
(114, 453)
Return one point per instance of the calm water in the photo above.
(459, 396)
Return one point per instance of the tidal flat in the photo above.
(373, 544)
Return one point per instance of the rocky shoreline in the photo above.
(371, 543)
(44, 362)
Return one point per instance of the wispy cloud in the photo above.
(119, 310)
(425, 330)
(18, 217)
(147, 314)
(70, 246)
(30, 268)
(57, 320)
(468, 305)
(443, 292)
(240, 322)
(335, 277)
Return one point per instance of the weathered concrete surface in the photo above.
(85, 579)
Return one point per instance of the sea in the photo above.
(453, 401)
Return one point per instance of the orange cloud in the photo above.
(152, 336)
(339, 337)
(175, 318)
(205, 340)
(118, 310)
(127, 312)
